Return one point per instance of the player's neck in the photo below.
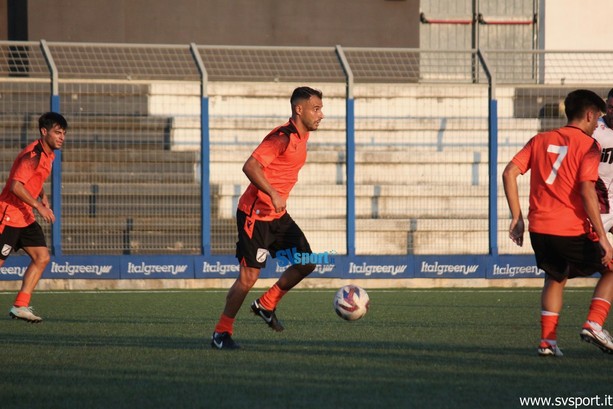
(302, 130)
(46, 146)
(579, 125)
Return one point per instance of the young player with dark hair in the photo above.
(565, 227)
(22, 194)
(264, 226)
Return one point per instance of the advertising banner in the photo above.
(379, 267)
(134, 267)
(327, 265)
(216, 267)
(98, 267)
(515, 267)
(451, 266)
(14, 268)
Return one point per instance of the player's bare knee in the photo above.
(248, 276)
(41, 259)
(247, 283)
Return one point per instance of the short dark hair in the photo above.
(610, 94)
(304, 93)
(578, 101)
(49, 119)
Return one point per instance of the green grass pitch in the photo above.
(414, 349)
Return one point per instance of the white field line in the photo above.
(400, 290)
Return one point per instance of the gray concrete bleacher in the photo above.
(145, 200)
(113, 131)
(546, 104)
(421, 180)
(127, 165)
(416, 177)
(76, 97)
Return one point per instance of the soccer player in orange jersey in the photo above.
(264, 226)
(22, 193)
(564, 221)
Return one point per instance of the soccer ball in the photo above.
(351, 302)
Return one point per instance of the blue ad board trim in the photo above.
(225, 266)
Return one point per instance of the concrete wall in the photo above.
(565, 24)
(376, 23)
(576, 25)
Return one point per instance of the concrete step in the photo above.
(108, 98)
(373, 236)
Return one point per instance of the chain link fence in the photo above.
(132, 171)
(25, 88)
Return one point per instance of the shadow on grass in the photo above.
(122, 371)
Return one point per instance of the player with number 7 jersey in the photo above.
(558, 160)
(566, 231)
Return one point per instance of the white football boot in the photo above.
(596, 335)
(24, 313)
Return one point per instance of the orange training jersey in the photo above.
(31, 167)
(282, 160)
(559, 160)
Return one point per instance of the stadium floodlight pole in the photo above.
(350, 151)
(492, 131)
(205, 183)
(56, 172)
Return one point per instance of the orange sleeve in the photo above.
(271, 147)
(522, 158)
(26, 167)
(588, 168)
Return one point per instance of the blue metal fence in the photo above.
(337, 64)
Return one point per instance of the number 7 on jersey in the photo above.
(561, 151)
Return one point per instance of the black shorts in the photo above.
(267, 237)
(567, 257)
(15, 238)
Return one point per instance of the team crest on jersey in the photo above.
(6, 250)
(261, 255)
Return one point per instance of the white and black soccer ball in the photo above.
(351, 302)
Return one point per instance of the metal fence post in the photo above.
(56, 175)
(350, 148)
(205, 183)
(492, 128)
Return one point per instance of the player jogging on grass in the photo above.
(264, 226)
(22, 193)
(565, 227)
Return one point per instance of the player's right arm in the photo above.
(19, 190)
(255, 173)
(511, 191)
(266, 152)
